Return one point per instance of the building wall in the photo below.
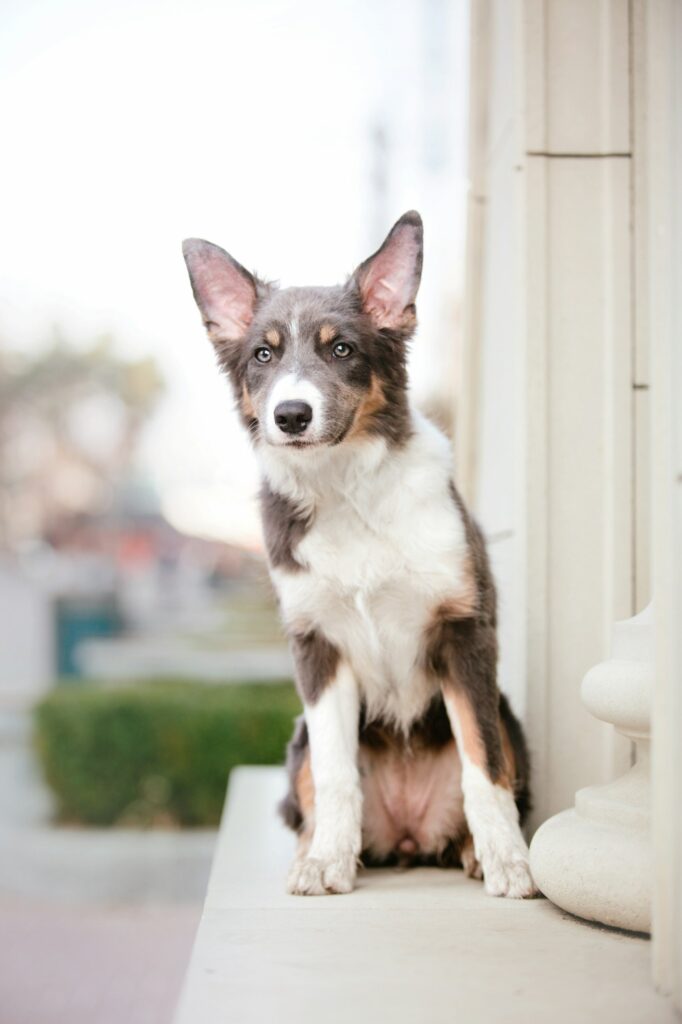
(488, 413)
(659, 79)
(553, 367)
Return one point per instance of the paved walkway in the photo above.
(71, 966)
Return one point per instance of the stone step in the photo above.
(407, 946)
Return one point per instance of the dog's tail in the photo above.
(521, 758)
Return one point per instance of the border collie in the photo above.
(406, 752)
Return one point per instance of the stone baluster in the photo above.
(595, 860)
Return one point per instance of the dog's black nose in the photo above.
(293, 417)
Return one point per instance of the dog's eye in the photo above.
(341, 350)
(263, 354)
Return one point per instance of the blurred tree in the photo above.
(69, 422)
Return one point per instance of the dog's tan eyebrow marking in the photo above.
(247, 403)
(327, 333)
(272, 335)
(373, 402)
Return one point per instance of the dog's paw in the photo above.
(506, 871)
(313, 876)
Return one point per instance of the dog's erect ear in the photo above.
(389, 280)
(225, 292)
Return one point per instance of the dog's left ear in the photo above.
(389, 280)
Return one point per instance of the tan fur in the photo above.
(247, 403)
(272, 336)
(468, 858)
(459, 703)
(327, 333)
(460, 606)
(509, 778)
(305, 790)
(373, 402)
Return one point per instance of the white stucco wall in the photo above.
(549, 431)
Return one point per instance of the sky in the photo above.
(127, 127)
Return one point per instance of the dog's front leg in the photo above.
(328, 863)
(472, 702)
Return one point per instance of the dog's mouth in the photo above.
(299, 443)
(303, 443)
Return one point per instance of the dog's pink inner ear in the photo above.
(224, 291)
(389, 280)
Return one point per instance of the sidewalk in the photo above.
(62, 965)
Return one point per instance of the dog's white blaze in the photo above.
(287, 388)
(493, 820)
(333, 734)
(294, 334)
(385, 546)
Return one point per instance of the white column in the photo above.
(596, 859)
(546, 428)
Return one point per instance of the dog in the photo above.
(406, 751)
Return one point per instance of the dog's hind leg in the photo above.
(467, 659)
(291, 808)
(298, 806)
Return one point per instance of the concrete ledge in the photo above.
(420, 945)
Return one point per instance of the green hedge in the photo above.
(157, 753)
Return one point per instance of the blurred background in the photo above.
(140, 654)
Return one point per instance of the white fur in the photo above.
(493, 820)
(330, 862)
(294, 335)
(290, 387)
(385, 546)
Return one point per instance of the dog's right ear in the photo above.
(225, 292)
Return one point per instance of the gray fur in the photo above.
(316, 661)
(462, 652)
(283, 528)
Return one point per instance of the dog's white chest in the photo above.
(378, 559)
